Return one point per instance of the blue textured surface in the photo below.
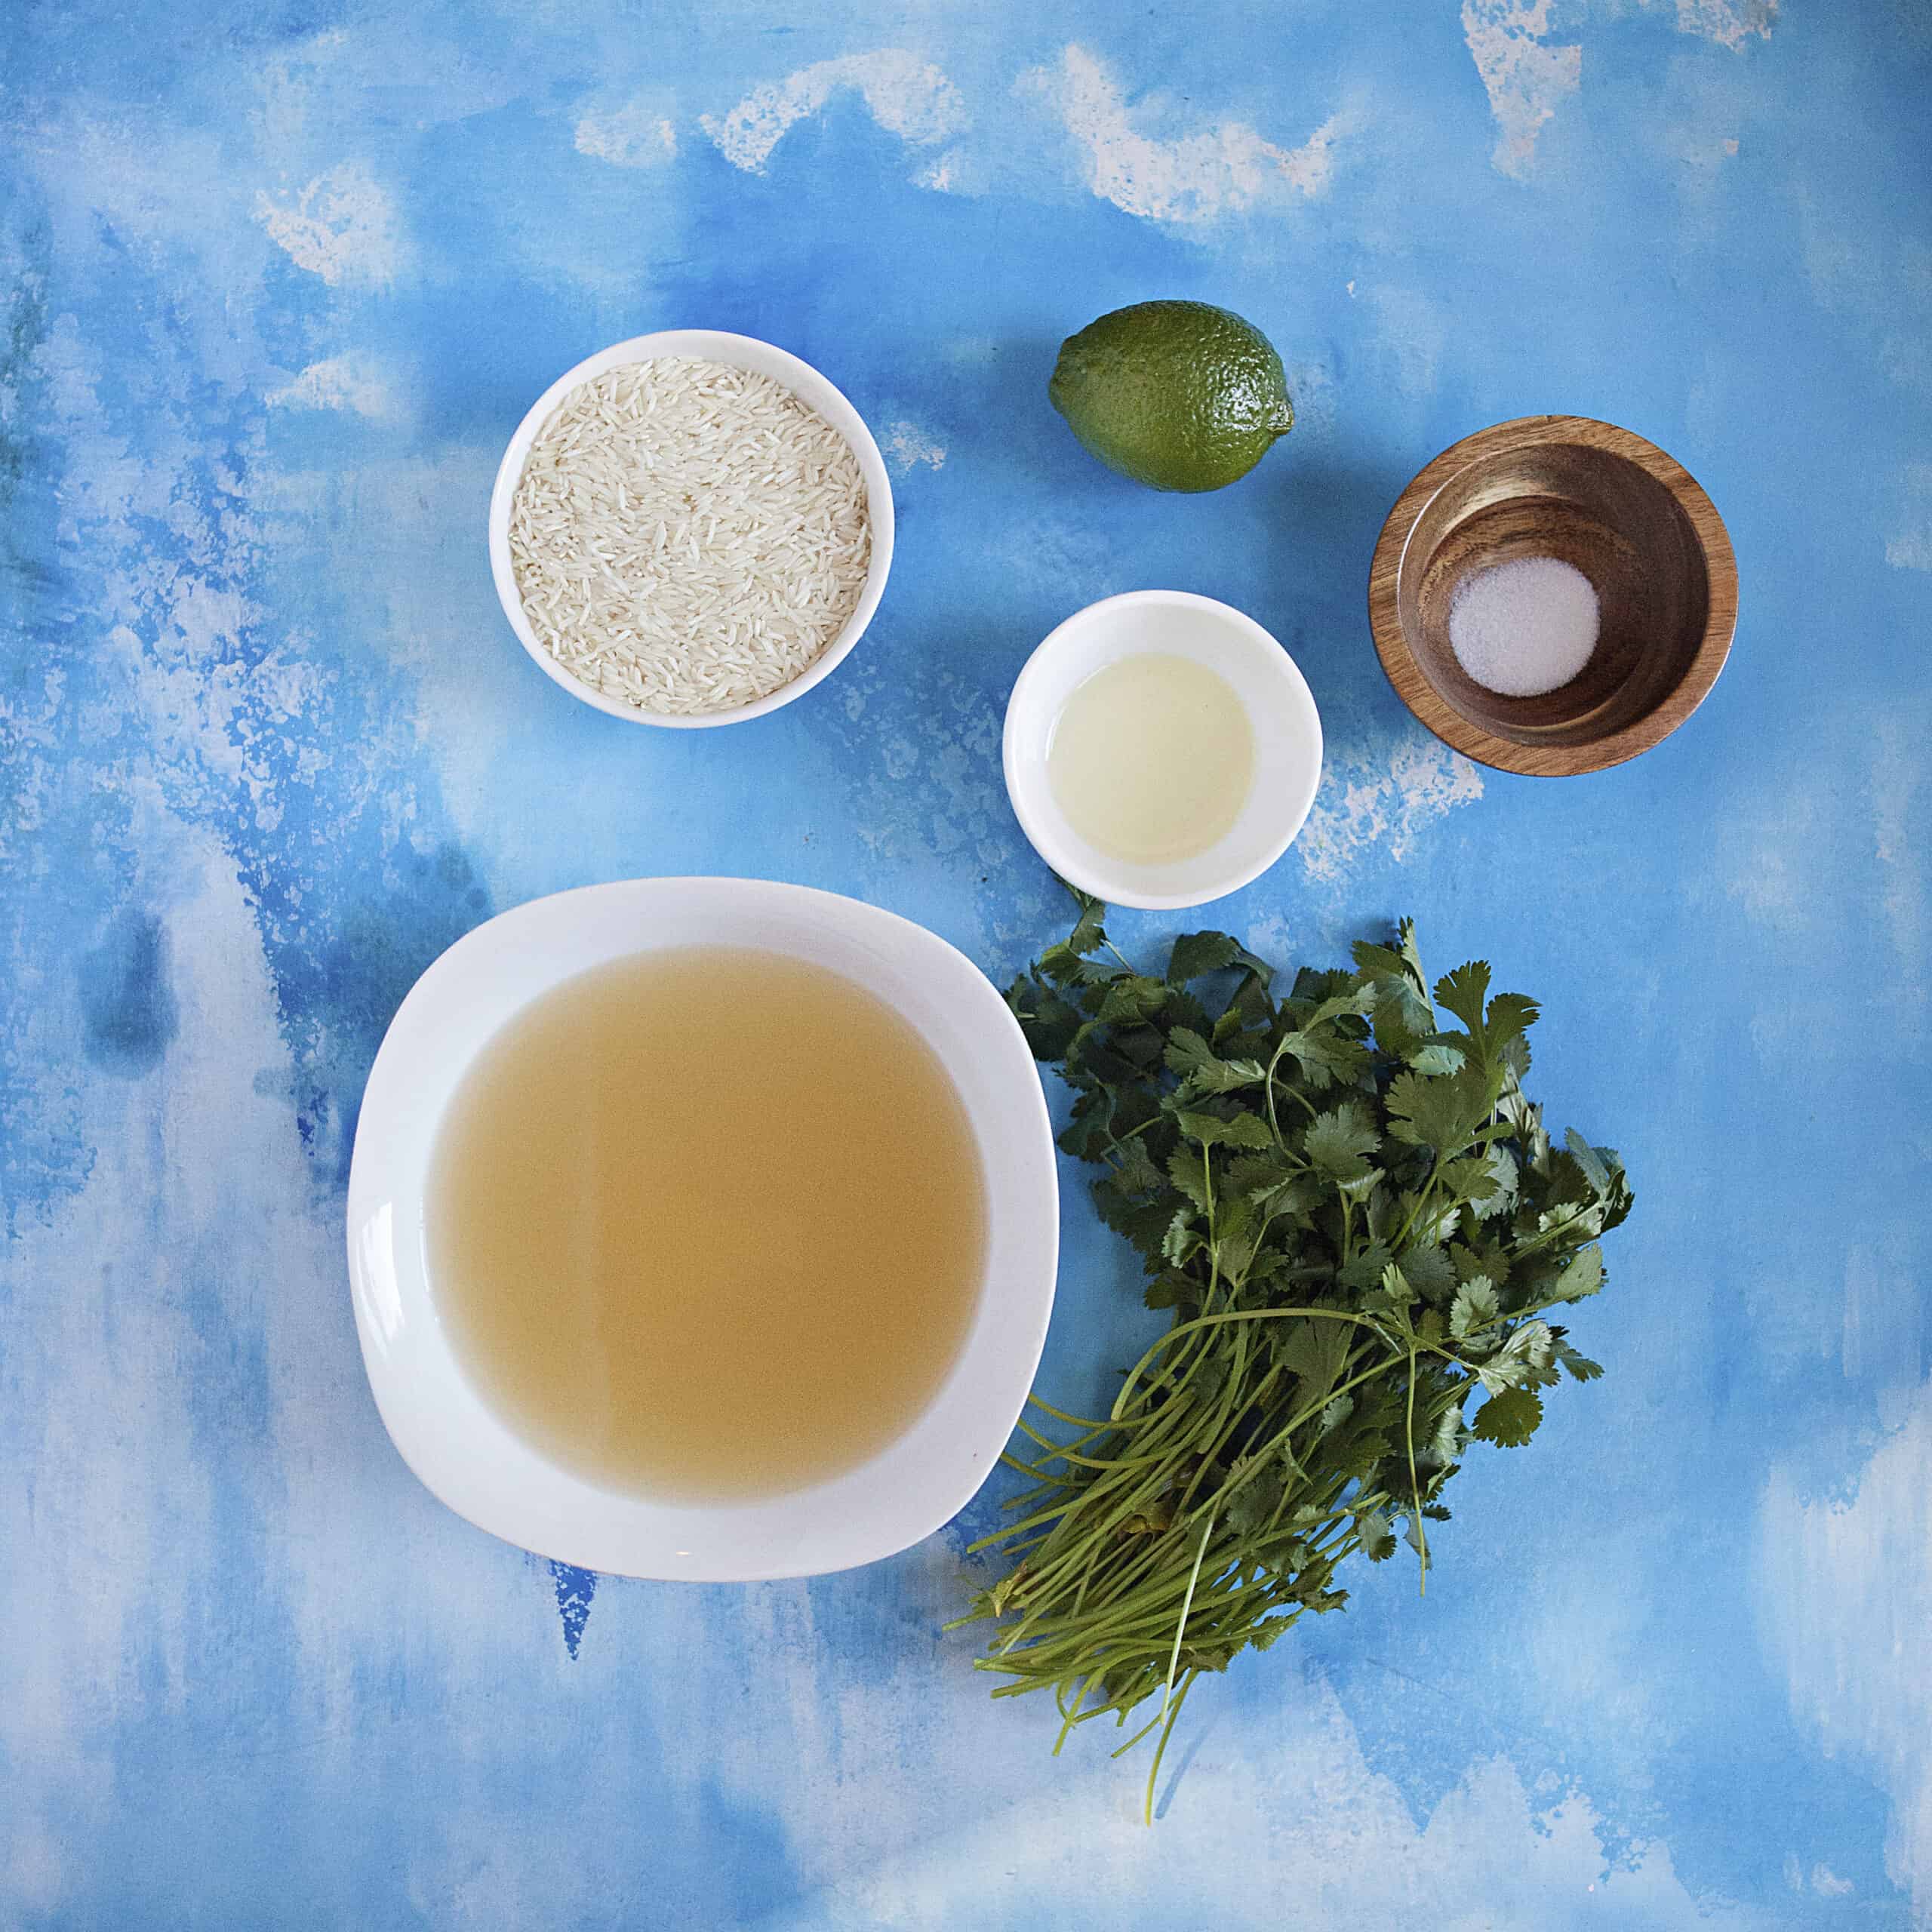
(280, 282)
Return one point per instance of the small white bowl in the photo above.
(737, 351)
(1280, 708)
(469, 1457)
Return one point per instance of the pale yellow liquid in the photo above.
(1151, 758)
(706, 1224)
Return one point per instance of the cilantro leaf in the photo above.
(1137, 1173)
(1196, 955)
(1088, 934)
(1335, 1414)
(1377, 1539)
(1429, 1271)
(1172, 1288)
(1504, 1181)
(1316, 1351)
(1189, 1055)
(1212, 1131)
(1339, 1141)
(1587, 1158)
(1362, 1271)
(1476, 1307)
(1143, 1224)
(1187, 1169)
(1065, 967)
(1324, 1056)
(1180, 1241)
(1445, 1444)
(1510, 1016)
(1481, 1256)
(1260, 1495)
(1462, 992)
(1510, 1419)
(1355, 1001)
(1132, 996)
(1443, 1113)
(1089, 1132)
(1582, 1277)
(1524, 1359)
(1048, 1019)
(1392, 1296)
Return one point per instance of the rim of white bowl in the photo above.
(1073, 858)
(468, 1456)
(812, 386)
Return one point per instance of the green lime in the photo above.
(1179, 396)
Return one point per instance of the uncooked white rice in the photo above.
(688, 536)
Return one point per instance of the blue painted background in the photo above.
(280, 280)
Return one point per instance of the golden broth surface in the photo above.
(706, 1223)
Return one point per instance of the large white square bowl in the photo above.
(465, 1455)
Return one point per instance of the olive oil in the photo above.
(1151, 758)
(706, 1224)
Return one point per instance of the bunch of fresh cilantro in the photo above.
(1358, 1222)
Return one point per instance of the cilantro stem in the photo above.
(1415, 1484)
(1274, 1120)
(1117, 1141)
(1396, 1246)
(1174, 1662)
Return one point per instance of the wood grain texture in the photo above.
(1631, 518)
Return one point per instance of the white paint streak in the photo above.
(1886, 1326)
(906, 445)
(1898, 774)
(1412, 333)
(1523, 78)
(1277, 1803)
(906, 96)
(927, 771)
(107, 1615)
(640, 133)
(1386, 801)
(350, 382)
(1909, 548)
(1226, 169)
(34, 1873)
(1696, 147)
(1759, 849)
(342, 226)
(220, 718)
(946, 175)
(1852, 1652)
(1729, 23)
(1311, 390)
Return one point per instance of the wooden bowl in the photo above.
(1628, 516)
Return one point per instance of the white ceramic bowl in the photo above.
(1280, 708)
(471, 1460)
(738, 352)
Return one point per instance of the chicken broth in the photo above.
(706, 1224)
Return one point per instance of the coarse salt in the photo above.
(1525, 627)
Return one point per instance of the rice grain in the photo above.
(686, 537)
